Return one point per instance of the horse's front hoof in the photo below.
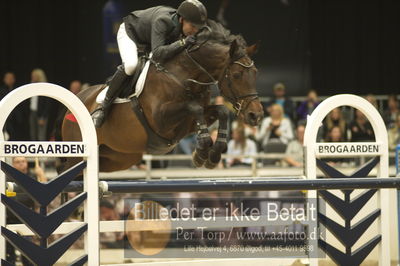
(210, 165)
(198, 161)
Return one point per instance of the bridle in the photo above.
(239, 100)
(236, 100)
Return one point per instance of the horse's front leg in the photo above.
(220, 146)
(204, 141)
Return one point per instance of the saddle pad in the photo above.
(138, 88)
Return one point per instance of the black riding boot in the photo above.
(115, 87)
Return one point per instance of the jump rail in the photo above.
(172, 186)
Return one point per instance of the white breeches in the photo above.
(127, 50)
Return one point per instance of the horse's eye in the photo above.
(237, 75)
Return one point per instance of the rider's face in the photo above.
(188, 28)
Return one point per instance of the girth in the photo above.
(156, 144)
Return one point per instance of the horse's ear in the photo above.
(233, 49)
(253, 49)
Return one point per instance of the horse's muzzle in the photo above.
(253, 118)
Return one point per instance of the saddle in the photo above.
(133, 86)
(130, 92)
(128, 88)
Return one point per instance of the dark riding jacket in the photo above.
(157, 29)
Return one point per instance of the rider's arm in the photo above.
(161, 28)
(166, 52)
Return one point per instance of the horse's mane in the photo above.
(220, 34)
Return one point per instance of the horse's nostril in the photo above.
(252, 116)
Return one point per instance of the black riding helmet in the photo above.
(194, 12)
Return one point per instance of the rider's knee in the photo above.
(130, 67)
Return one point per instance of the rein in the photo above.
(159, 67)
(212, 82)
(194, 48)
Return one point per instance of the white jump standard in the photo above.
(87, 149)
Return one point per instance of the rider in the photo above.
(166, 31)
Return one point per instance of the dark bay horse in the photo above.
(176, 102)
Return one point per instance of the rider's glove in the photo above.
(189, 40)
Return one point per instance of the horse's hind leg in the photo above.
(204, 141)
(220, 145)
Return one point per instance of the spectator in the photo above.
(391, 113)
(394, 134)
(371, 98)
(249, 131)
(335, 134)
(16, 125)
(240, 145)
(38, 109)
(361, 129)
(280, 98)
(307, 107)
(187, 144)
(335, 119)
(108, 212)
(294, 151)
(276, 127)
(9, 84)
(75, 86)
(21, 164)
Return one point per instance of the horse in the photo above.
(175, 102)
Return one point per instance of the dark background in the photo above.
(334, 46)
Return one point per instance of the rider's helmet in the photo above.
(194, 12)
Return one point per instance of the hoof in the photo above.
(214, 157)
(209, 164)
(198, 161)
